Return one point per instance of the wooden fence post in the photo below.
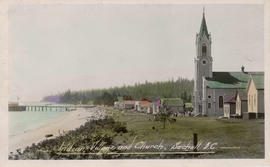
(195, 141)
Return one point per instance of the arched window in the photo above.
(220, 100)
(204, 50)
(209, 105)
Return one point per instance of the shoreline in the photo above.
(56, 127)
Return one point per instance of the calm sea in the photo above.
(20, 122)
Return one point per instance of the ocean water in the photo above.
(21, 122)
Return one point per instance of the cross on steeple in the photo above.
(203, 29)
(203, 10)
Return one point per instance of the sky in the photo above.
(53, 48)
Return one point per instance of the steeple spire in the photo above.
(203, 29)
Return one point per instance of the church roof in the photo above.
(231, 80)
(203, 29)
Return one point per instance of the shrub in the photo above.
(119, 127)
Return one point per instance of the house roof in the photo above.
(229, 79)
(203, 28)
(230, 100)
(146, 99)
(258, 80)
(172, 102)
(145, 103)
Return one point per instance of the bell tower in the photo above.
(203, 64)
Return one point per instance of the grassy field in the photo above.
(234, 138)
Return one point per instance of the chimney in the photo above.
(243, 69)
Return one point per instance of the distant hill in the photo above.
(181, 88)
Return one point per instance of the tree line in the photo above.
(180, 88)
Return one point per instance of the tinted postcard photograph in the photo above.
(136, 81)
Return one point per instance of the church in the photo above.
(213, 89)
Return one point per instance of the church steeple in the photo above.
(203, 66)
(203, 29)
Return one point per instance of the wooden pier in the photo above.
(48, 107)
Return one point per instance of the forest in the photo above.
(180, 88)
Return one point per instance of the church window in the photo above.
(220, 100)
(204, 62)
(209, 105)
(204, 49)
(209, 96)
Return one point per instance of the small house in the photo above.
(119, 103)
(229, 107)
(129, 104)
(255, 97)
(174, 106)
(145, 106)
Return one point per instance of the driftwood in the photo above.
(48, 135)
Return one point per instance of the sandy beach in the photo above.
(69, 121)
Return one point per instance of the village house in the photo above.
(145, 106)
(119, 103)
(129, 104)
(174, 106)
(229, 107)
(148, 106)
(255, 95)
